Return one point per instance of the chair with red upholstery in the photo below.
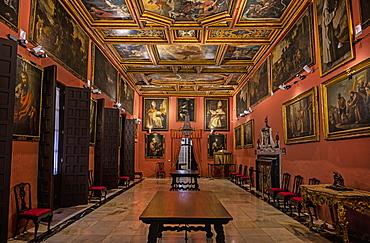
(239, 176)
(286, 196)
(124, 181)
(22, 192)
(159, 171)
(233, 174)
(272, 192)
(297, 201)
(96, 191)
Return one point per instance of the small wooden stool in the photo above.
(124, 181)
(139, 174)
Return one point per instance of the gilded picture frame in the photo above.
(238, 138)
(9, 13)
(216, 142)
(155, 114)
(242, 100)
(93, 110)
(259, 84)
(154, 145)
(345, 103)
(216, 114)
(185, 105)
(334, 34)
(248, 134)
(301, 118)
(365, 13)
(27, 100)
(127, 96)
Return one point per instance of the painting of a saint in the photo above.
(9, 12)
(242, 100)
(155, 114)
(248, 134)
(185, 106)
(154, 145)
(216, 114)
(216, 142)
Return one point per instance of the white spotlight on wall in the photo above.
(307, 69)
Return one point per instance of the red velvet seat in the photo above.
(239, 176)
(124, 181)
(234, 174)
(159, 171)
(22, 192)
(297, 201)
(272, 192)
(286, 196)
(96, 191)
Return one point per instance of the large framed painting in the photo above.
(216, 142)
(185, 106)
(259, 84)
(107, 10)
(238, 138)
(365, 13)
(264, 10)
(155, 114)
(242, 100)
(248, 134)
(9, 13)
(346, 103)
(60, 35)
(127, 95)
(294, 51)
(154, 145)
(93, 109)
(301, 119)
(27, 100)
(216, 114)
(334, 33)
(105, 75)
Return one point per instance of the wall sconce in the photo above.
(22, 41)
(307, 69)
(95, 91)
(248, 111)
(38, 52)
(284, 87)
(137, 120)
(301, 77)
(150, 129)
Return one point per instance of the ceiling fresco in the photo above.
(186, 47)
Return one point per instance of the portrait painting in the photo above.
(27, 100)
(154, 143)
(216, 114)
(127, 95)
(187, 52)
(9, 13)
(242, 100)
(104, 74)
(131, 51)
(60, 36)
(334, 33)
(155, 114)
(241, 52)
(113, 9)
(365, 13)
(93, 117)
(294, 51)
(216, 142)
(346, 101)
(238, 138)
(264, 10)
(301, 119)
(258, 84)
(185, 106)
(248, 134)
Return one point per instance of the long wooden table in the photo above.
(179, 185)
(185, 208)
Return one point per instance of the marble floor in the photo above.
(117, 220)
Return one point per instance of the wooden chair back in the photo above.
(22, 192)
(240, 169)
(245, 170)
(313, 181)
(251, 176)
(160, 166)
(285, 181)
(298, 180)
(91, 178)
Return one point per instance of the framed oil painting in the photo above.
(365, 13)
(60, 35)
(294, 51)
(155, 114)
(346, 103)
(93, 109)
(154, 143)
(259, 84)
(248, 134)
(264, 10)
(216, 114)
(216, 142)
(185, 105)
(238, 138)
(127, 95)
(301, 119)
(9, 13)
(334, 33)
(107, 9)
(242, 100)
(187, 52)
(104, 74)
(27, 100)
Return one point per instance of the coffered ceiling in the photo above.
(186, 47)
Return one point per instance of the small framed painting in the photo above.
(216, 142)
(238, 138)
(154, 145)
(184, 106)
(248, 134)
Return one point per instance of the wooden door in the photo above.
(75, 154)
(127, 165)
(8, 63)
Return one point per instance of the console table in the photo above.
(179, 185)
(358, 200)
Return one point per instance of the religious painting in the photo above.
(242, 100)
(187, 52)
(301, 118)
(216, 142)
(294, 51)
(334, 33)
(216, 114)
(133, 33)
(93, 117)
(241, 52)
(154, 145)
(155, 114)
(27, 100)
(238, 137)
(60, 36)
(346, 103)
(258, 84)
(9, 13)
(127, 95)
(104, 74)
(248, 134)
(131, 51)
(186, 10)
(240, 34)
(365, 13)
(113, 9)
(186, 106)
(264, 10)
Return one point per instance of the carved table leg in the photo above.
(153, 230)
(209, 233)
(220, 237)
(343, 222)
